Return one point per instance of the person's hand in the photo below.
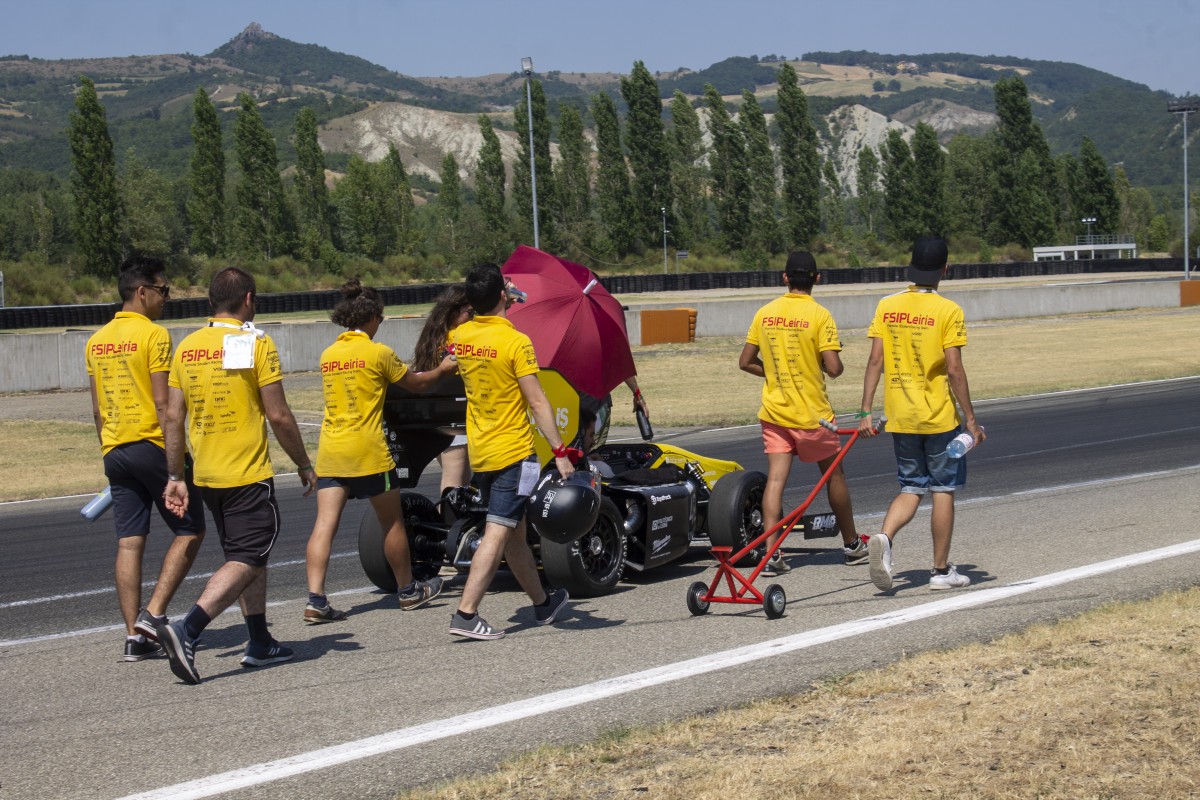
(977, 432)
(308, 476)
(175, 498)
(449, 364)
(639, 401)
(866, 426)
(564, 465)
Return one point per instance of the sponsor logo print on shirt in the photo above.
(112, 348)
(343, 366)
(904, 318)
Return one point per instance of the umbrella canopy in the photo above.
(576, 326)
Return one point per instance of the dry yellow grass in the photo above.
(1099, 706)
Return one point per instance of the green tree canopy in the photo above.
(206, 179)
(96, 206)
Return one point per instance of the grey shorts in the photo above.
(137, 475)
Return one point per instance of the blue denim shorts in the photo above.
(507, 490)
(923, 466)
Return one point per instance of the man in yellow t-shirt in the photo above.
(917, 338)
(793, 343)
(127, 363)
(226, 381)
(499, 371)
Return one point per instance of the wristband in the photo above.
(176, 478)
(560, 451)
(637, 393)
(308, 467)
(862, 414)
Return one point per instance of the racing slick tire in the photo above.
(735, 515)
(695, 604)
(415, 507)
(591, 565)
(774, 601)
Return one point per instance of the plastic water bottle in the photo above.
(960, 445)
(97, 505)
(643, 423)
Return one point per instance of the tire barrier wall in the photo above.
(93, 316)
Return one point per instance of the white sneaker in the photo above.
(880, 554)
(951, 580)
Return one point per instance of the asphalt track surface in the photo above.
(1076, 499)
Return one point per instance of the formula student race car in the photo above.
(657, 501)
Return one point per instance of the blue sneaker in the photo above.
(557, 601)
(181, 651)
(261, 655)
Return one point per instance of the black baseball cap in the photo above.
(929, 256)
(801, 267)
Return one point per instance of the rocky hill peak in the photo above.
(252, 35)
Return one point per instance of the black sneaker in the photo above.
(140, 651)
(180, 650)
(476, 628)
(147, 624)
(557, 602)
(261, 655)
(422, 593)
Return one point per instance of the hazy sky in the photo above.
(1148, 41)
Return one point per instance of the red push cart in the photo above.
(729, 585)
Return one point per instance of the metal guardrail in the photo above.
(95, 315)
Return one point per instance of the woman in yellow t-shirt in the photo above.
(352, 457)
(450, 311)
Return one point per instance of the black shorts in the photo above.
(247, 520)
(137, 474)
(364, 487)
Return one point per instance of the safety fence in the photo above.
(95, 315)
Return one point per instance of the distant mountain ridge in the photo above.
(149, 101)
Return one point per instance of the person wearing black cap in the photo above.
(793, 343)
(917, 338)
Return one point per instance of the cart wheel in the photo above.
(695, 605)
(774, 601)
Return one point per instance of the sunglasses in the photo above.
(164, 290)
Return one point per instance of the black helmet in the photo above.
(562, 510)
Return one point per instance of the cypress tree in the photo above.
(450, 202)
(206, 179)
(522, 186)
(832, 205)
(311, 194)
(612, 178)
(360, 224)
(648, 161)
(149, 220)
(263, 219)
(489, 180)
(929, 181)
(572, 184)
(96, 206)
(969, 184)
(900, 201)
(870, 199)
(396, 202)
(1023, 211)
(1095, 191)
(764, 194)
(727, 164)
(687, 173)
(799, 160)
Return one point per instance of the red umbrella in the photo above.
(576, 326)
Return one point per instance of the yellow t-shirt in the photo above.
(790, 333)
(120, 358)
(355, 374)
(492, 355)
(227, 428)
(916, 327)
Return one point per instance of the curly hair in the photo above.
(358, 306)
(431, 344)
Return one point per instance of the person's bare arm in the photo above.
(158, 391)
(422, 381)
(96, 410)
(639, 400)
(543, 416)
(749, 361)
(283, 423)
(176, 494)
(957, 375)
(831, 363)
(874, 371)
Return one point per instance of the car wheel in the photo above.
(735, 515)
(695, 603)
(591, 565)
(415, 508)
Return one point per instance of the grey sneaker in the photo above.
(315, 615)
(422, 593)
(879, 552)
(951, 580)
(557, 601)
(140, 651)
(261, 655)
(181, 651)
(147, 624)
(775, 567)
(476, 628)
(857, 553)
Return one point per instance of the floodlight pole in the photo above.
(1183, 107)
(664, 216)
(527, 68)
(1089, 221)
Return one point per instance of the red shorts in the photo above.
(808, 446)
